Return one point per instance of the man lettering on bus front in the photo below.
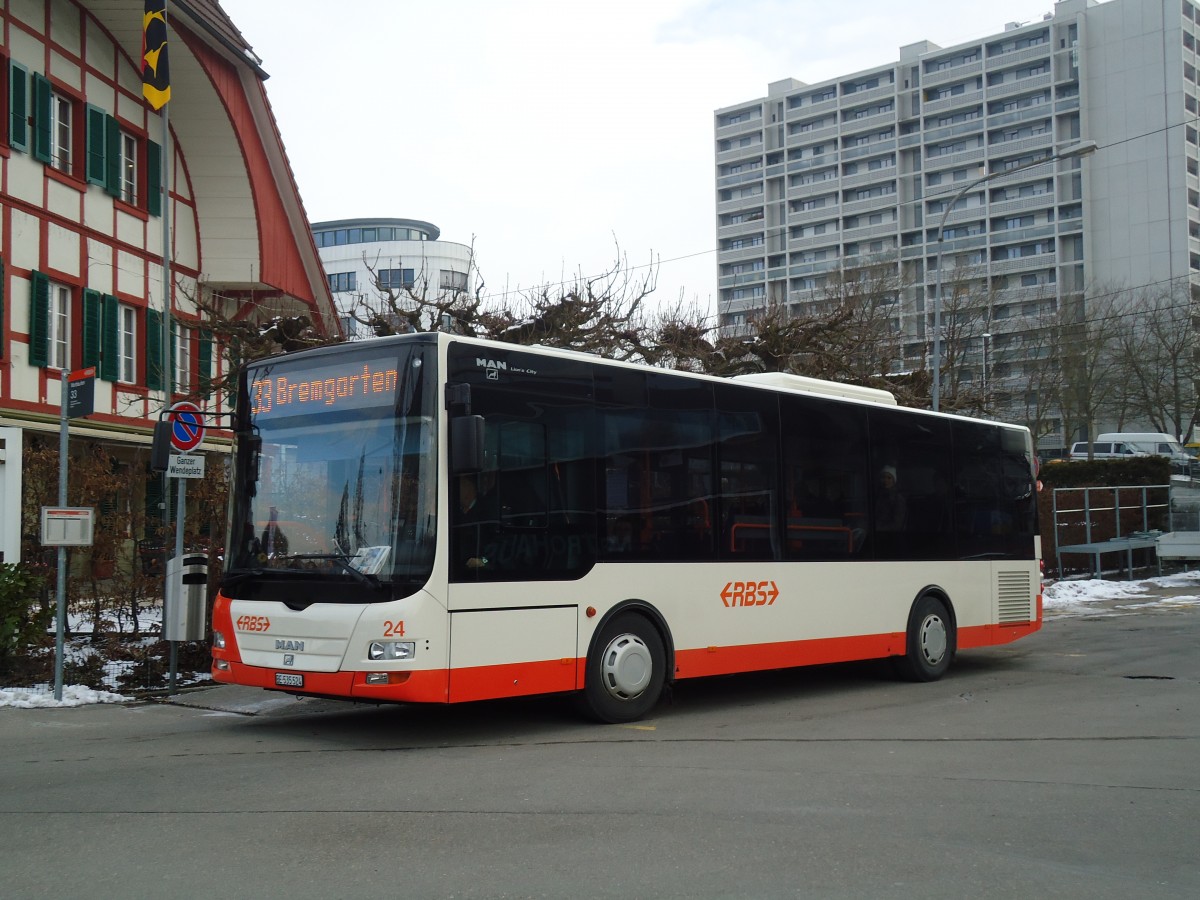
(891, 511)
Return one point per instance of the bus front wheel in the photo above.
(929, 643)
(626, 670)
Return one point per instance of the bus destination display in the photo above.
(346, 385)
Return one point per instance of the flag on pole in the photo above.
(156, 77)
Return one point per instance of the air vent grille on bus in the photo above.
(1015, 596)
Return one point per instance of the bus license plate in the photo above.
(289, 679)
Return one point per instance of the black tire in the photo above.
(625, 672)
(930, 641)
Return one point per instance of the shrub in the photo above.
(23, 622)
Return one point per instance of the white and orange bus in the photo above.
(435, 519)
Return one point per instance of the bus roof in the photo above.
(808, 385)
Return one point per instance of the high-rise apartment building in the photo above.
(977, 142)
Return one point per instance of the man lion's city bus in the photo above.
(435, 519)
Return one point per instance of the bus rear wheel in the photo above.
(930, 641)
(626, 670)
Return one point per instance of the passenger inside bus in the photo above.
(891, 510)
(476, 518)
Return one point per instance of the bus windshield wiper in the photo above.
(240, 575)
(343, 560)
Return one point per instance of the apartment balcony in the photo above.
(1023, 263)
(1022, 235)
(953, 73)
(742, 305)
(741, 254)
(1021, 204)
(736, 331)
(952, 160)
(817, 214)
(869, 123)
(753, 201)
(876, 93)
(813, 162)
(1030, 113)
(874, 148)
(741, 229)
(966, 214)
(740, 154)
(969, 98)
(811, 241)
(738, 129)
(1066, 104)
(813, 136)
(753, 175)
(866, 232)
(870, 204)
(1018, 86)
(816, 267)
(742, 279)
(811, 109)
(888, 173)
(1020, 145)
(1025, 54)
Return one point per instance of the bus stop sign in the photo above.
(187, 426)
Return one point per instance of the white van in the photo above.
(1153, 443)
(1103, 450)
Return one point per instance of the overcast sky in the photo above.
(545, 130)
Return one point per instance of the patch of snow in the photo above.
(42, 696)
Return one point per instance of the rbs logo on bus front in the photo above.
(749, 593)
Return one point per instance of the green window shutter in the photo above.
(96, 146)
(39, 320)
(154, 182)
(110, 338)
(18, 107)
(112, 156)
(154, 348)
(3, 285)
(42, 100)
(204, 352)
(91, 328)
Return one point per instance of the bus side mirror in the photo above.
(160, 447)
(466, 444)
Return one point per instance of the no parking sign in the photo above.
(187, 426)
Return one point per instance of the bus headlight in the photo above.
(218, 640)
(392, 650)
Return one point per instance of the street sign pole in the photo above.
(60, 612)
(187, 431)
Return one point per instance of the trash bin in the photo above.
(187, 596)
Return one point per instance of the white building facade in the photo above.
(366, 259)
(816, 180)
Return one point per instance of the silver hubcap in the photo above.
(626, 667)
(933, 639)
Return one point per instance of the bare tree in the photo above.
(1084, 343)
(1157, 341)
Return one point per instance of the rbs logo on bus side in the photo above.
(749, 593)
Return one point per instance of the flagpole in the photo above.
(168, 368)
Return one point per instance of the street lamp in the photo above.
(1083, 148)
(986, 340)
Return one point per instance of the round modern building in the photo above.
(366, 259)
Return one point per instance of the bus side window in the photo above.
(825, 464)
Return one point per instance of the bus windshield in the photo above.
(335, 472)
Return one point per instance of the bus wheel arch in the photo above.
(931, 637)
(629, 662)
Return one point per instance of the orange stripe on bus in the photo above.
(705, 661)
